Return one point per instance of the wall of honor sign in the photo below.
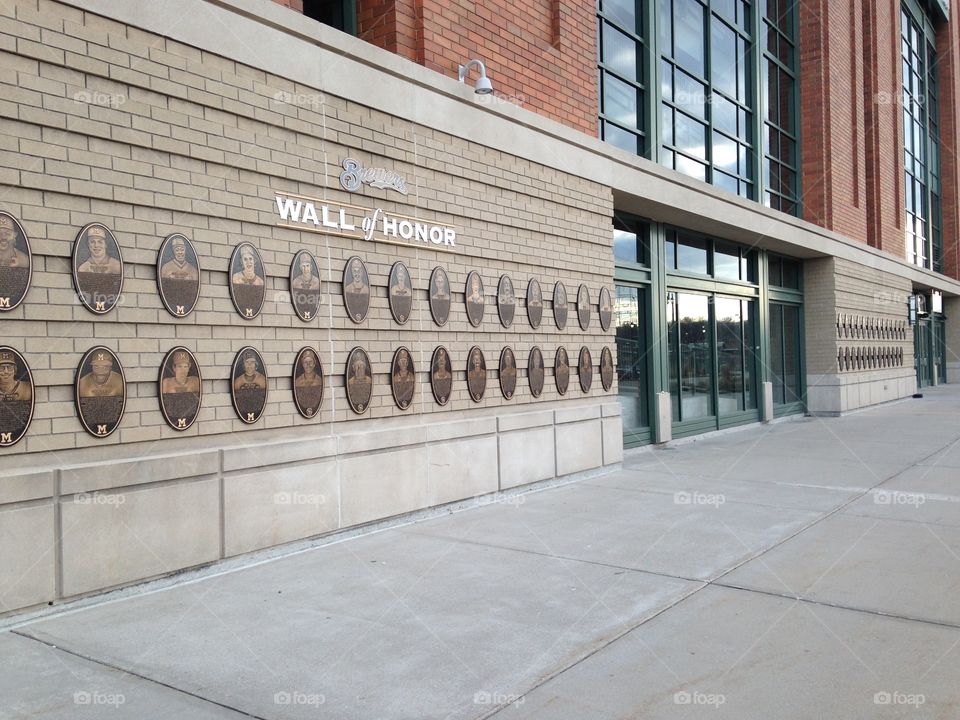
(97, 268)
(101, 391)
(308, 382)
(16, 396)
(178, 275)
(181, 388)
(16, 262)
(305, 285)
(247, 281)
(249, 385)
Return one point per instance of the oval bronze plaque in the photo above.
(473, 298)
(585, 369)
(441, 375)
(403, 380)
(508, 373)
(356, 289)
(16, 396)
(606, 309)
(560, 305)
(359, 380)
(606, 369)
(308, 382)
(16, 264)
(178, 275)
(476, 374)
(247, 281)
(400, 293)
(534, 303)
(506, 301)
(97, 268)
(249, 387)
(305, 285)
(181, 388)
(100, 391)
(583, 307)
(535, 371)
(561, 370)
(440, 296)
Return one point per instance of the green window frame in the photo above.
(921, 138)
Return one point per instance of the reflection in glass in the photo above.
(730, 376)
(630, 322)
(694, 378)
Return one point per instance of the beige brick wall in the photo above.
(103, 122)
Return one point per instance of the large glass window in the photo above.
(725, 71)
(707, 92)
(921, 139)
(736, 355)
(622, 52)
(630, 314)
(690, 356)
(785, 353)
(341, 14)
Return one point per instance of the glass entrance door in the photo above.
(785, 358)
(633, 362)
(921, 345)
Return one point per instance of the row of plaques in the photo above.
(97, 264)
(100, 387)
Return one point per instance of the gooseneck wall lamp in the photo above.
(482, 86)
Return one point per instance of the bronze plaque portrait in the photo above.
(249, 387)
(178, 275)
(16, 397)
(583, 307)
(97, 268)
(473, 297)
(101, 391)
(606, 369)
(356, 289)
(305, 286)
(441, 375)
(400, 293)
(16, 263)
(534, 303)
(585, 369)
(247, 281)
(359, 380)
(508, 373)
(476, 374)
(506, 301)
(535, 372)
(560, 305)
(402, 378)
(606, 309)
(561, 370)
(308, 382)
(181, 388)
(440, 296)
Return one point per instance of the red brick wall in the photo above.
(852, 156)
(948, 54)
(540, 54)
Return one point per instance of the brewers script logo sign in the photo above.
(301, 212)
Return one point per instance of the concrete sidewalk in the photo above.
(807, 569)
